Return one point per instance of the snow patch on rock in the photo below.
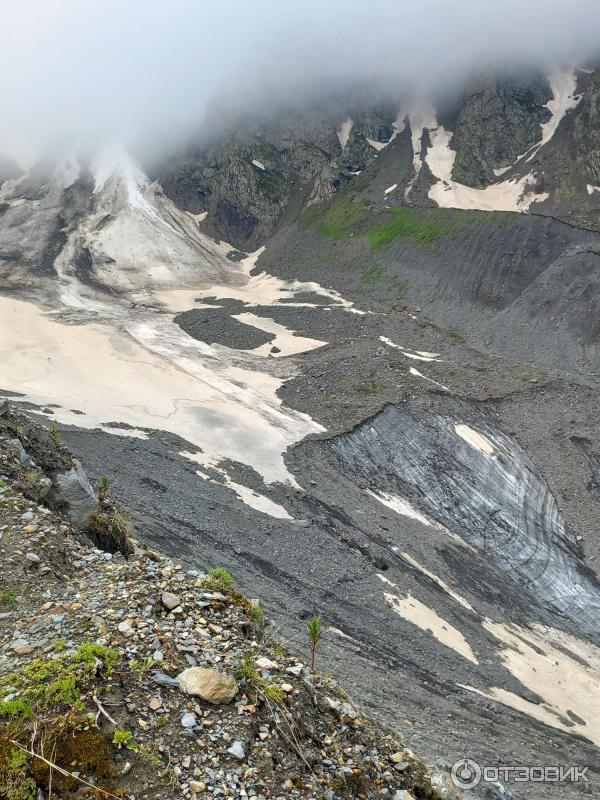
(343, 133)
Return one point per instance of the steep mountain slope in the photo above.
(386, 413)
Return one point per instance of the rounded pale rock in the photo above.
(266, 664)
(170, 601)
(210, 685)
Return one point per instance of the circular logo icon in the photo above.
(465, 774)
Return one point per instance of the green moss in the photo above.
(50, 706)
(219, 578)
(15, 783)
(31, 478)
(373, 387)
(89, 653)
(55, 683)
(16, 710)
(495, 219)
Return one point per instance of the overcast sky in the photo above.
(145, 70)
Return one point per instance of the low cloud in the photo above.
(145, 73)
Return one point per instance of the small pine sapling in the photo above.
(315, 632)
(103, 488)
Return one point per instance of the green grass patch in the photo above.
(342, 218)
(426, 228)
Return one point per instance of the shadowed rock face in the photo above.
(587, 131)
(499, 121)
(257, 173)
(481, 485)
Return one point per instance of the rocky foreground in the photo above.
(131, 676)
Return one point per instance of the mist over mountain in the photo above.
(310, 292)
(147, 73)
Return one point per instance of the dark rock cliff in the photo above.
(499, 121)
(587, 131)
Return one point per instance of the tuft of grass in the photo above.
(258, 616)
(142, 668)
(220, 579)
(110, 529)
(8, 598)
(248, 672)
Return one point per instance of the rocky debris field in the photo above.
(135, 677)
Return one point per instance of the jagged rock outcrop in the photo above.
(256, 174)
(42, 469)
(246, 180)
(499, 120)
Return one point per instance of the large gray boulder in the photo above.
(77, 493)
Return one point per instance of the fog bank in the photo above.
(74, 73)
